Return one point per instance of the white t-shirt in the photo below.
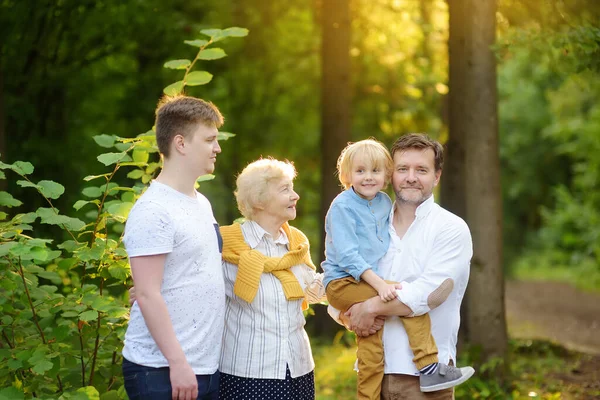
(164, 220)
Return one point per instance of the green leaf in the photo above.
(91, 177)
(197, 78)
(86, 393)
(120, 211)
(90, 315)
(25, 218)
(106, 141)
(119, 271)
(27, 184)
(11, 393)
(235, 32)
(135, 174)
(204, 178)
(92, 192)
(177, 64)
(49, 216)
(42, 366)
(2, 175)
(173, 89)
(51, 189)
(196, 43)
(22, 167)
(140, 156)
(6, 199)
(80, 203)
(111, 158)
(213, 33)
(51, 276)
(5, 247)
(211, 54)
(224, 135)
(110, 395)
(3, 215)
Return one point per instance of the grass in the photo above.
(538, 372)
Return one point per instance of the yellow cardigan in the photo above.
(252, 263)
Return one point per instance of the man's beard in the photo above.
(415, 196)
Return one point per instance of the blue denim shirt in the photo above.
(357, 235)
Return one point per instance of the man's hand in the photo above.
(184, 384)
(379, 321)
(361, 318)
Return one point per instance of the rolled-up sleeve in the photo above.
(345, 241)
(448, 262)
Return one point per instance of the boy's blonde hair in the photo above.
(253, 183)
(373, 152)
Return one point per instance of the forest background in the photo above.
(72, 71)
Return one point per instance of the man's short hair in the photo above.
(374, 152)
(180, 115)
(252, 184)
(422, 142)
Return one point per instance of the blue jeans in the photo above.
(147, 383)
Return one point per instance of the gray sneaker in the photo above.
(445, 377)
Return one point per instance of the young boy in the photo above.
(357, 237)
(173, 341)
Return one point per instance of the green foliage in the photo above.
(534, 364)
(63, 303)
(549, 120)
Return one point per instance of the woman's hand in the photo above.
(132, 295)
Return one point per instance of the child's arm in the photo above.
(386, 291)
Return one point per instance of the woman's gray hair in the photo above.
(253, 183)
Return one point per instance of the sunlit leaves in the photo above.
(111, 158)
(204, 178)
(196, 43)
(220, 34)
(140, 156)
(224, 135)
(197, 78)
(211, 54)
(120, 211)
(174, 88)
(178, 64)
(20, 167)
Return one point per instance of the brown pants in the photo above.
(406, 387)
(342, 294)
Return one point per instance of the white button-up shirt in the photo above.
(264, 336)
(437, 248)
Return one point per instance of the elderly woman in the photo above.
(269, 279)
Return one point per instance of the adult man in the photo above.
(173, 341)
(429, 253)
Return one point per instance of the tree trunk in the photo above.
(486, 312)
(335, 115)
(2, 127)
(453, 188)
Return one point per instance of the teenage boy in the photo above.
(173, 341)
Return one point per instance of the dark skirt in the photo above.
(233, 387)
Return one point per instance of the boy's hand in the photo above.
(388, 291)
